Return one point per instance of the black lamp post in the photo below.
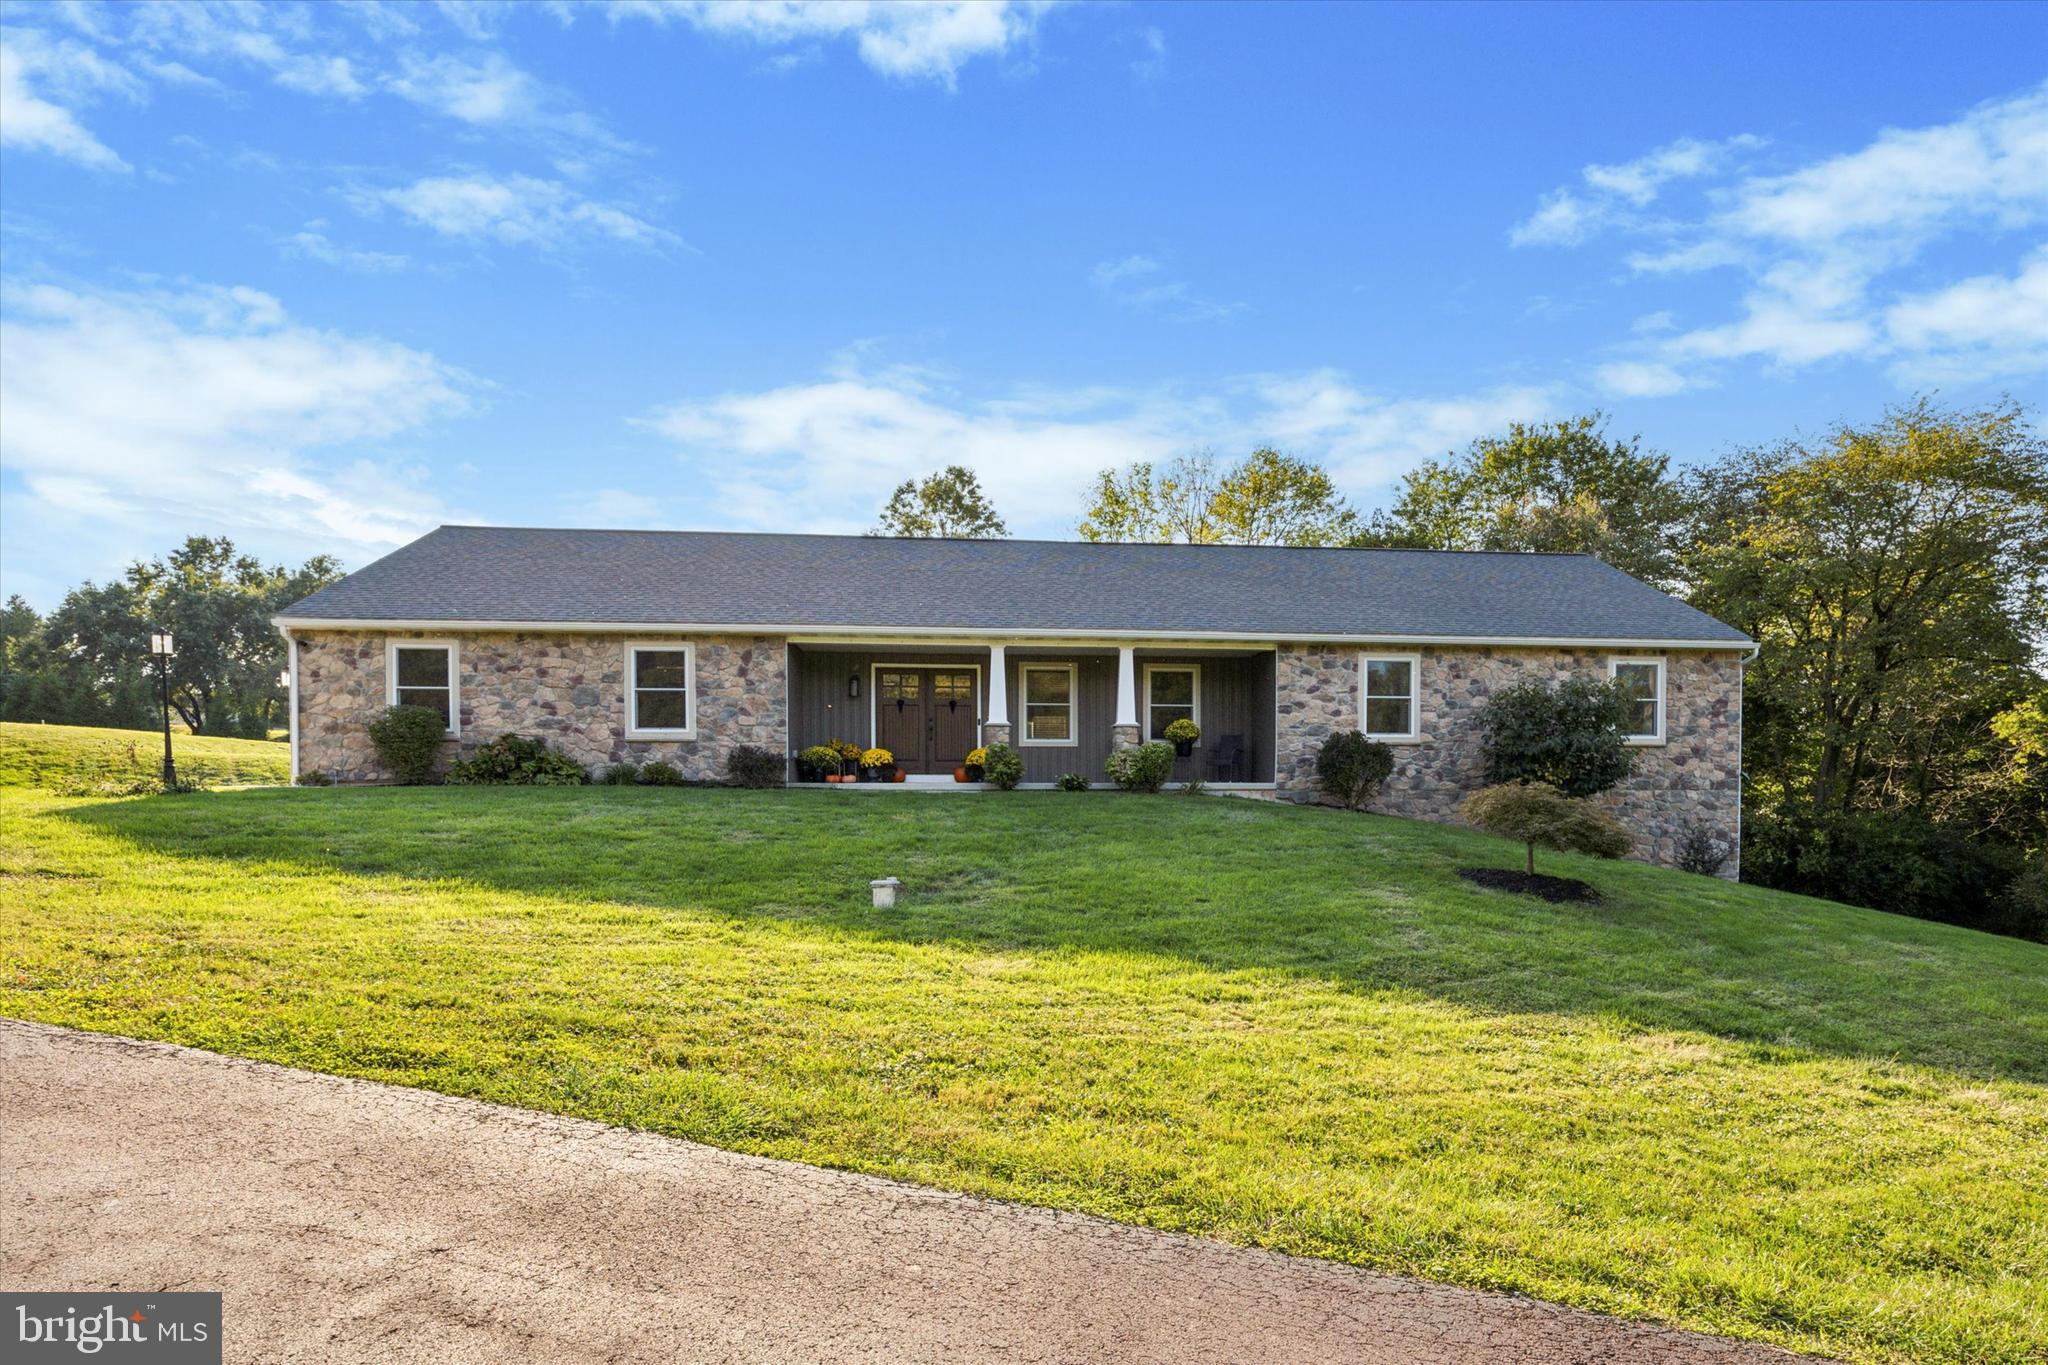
(160, 650)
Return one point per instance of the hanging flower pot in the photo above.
(1183, 733)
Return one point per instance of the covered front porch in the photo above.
(1064, 706)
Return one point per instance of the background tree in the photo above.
(1265, 499)
(1897, 579)
(88, 662)
(949, 503)
(1563, 486)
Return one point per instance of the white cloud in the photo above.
(1141, 282)
(1989, 165)
(1821, 245)
(1639, 181)
(1990, 325)
(1151, 66)
(931, 40)
(1639, 379)
(823, 455)
(1615, 195)
(313, 245)
(209, 408)
(518, 210)
(32, 66)
(489, 89)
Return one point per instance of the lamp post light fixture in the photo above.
(160, 650)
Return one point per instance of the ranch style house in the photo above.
(681, 645)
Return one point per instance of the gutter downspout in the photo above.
(292, 695)
(1741, 762)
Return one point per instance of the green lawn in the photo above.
(1714, 1105)
(79, 756)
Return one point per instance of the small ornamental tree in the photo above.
(407, 738)
(1570, 737)
(1537, 814)
(1350, 768)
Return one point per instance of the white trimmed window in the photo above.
(425, 673)
(1392, 697)
(1048, 703)
(1172, 692)
(1643, 679)
(661, 690)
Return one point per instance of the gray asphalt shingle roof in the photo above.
(513, 574)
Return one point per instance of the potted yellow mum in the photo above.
(971, 767)
(877, 765)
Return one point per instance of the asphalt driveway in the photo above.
(348, 1221)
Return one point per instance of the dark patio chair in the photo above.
(1227, 760)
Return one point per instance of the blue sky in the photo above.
(322, 277)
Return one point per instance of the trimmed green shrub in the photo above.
(660, 774)
(1701, 850)
(621, 774)
(1144, 768)
(1071, 782)
(516, 761)
(407, 740)
(1537, 814)
(1570, 736)
(1350, 768)
(1004, 767)
(750, 765)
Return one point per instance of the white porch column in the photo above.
(1125, 732)
(996, 725)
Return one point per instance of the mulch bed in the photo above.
(1556, 890)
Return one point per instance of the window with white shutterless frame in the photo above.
(1049, 691)
(1390, 697)
(1643, 680)
(661, 689)
(425, 673)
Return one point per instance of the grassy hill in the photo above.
(78, 757)
(1714, 1105)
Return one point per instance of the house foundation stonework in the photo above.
(1693, 778)
(567, 689)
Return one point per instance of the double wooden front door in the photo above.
(926, 716)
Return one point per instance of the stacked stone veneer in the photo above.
(569, 690)
(1694, 777)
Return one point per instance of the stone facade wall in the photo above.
(569, 690)
(1695, 776)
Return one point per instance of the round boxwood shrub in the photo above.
(407, 739)
(1144, 768)
(1537, 814)
(1569, 737)
(660, 773)
(1350, 768)
(1003, 766)
(516, 761)
(750, 765)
